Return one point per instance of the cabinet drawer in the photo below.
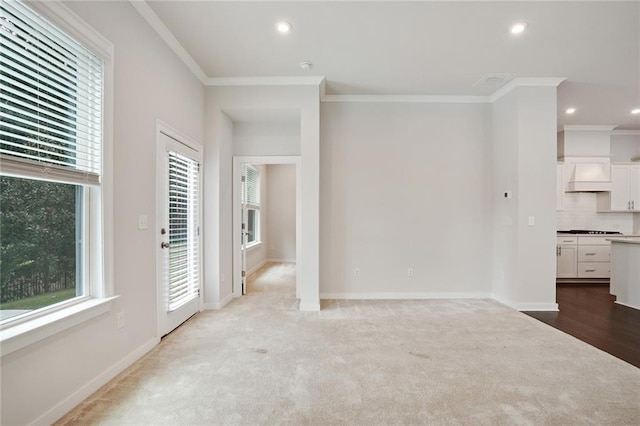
(594, 253)
(566, 240)
(594, 241)
(594, 269)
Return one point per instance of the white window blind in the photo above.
(51, 100)
(252, 177)
(184, 272)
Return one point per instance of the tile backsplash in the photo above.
(580, 213)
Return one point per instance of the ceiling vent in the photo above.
(494, 80)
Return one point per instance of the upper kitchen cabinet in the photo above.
(625, 194)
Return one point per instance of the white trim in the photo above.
(309, 307)
(87, 390)
(527, 306)
(406, 99)
(256, 267)
(625, 133)
(278, 260)
(216, 306)
(34, 330)
(628, 305)
(73, 25)
(165, 34)
(597, 128)
(522, 82)
(316, 80)
(405, 296)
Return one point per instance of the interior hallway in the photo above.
(262, 361)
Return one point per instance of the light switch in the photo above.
(532, 220)
(143, 221)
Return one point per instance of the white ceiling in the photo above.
(425, 47)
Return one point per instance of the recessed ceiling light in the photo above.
(518, 27)
(635, 111)
(570, 110)
(284, 27)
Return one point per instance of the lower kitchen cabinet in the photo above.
(567, 257)
(583, 257)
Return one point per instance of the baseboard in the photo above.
(278, 260)
(309, 307)
(218, 305)
(255, 268)
(627, 305)
(527, 306)
(405, 296)
(87, 390)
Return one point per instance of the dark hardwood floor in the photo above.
(589, 313)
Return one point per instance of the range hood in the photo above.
(590, 177)
(586, 151)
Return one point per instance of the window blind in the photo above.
(184, 246)
(253, 186)
(51, 100)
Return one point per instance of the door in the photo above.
(567, 266)
(179, 241)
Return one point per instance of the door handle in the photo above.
(164, 245)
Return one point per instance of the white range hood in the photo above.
(590, 176)
(586, 154)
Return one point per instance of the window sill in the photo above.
(30, 332)
(254, 246)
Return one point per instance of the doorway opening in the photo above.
(266, 224)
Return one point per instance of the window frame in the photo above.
(98, 206)
(255, 207)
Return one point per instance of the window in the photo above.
(51, 189)
(251, 204)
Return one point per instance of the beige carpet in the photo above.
(261, 361)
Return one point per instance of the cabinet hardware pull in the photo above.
(567, 241)
(589, 270)
(589, 254)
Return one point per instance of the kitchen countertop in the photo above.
(625, 240)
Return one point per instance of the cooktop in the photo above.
(590, 232)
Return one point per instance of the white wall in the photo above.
(625, 147)
(264, 138)
(46, 379)
(405, 185)
(524, 163)
(281, 224)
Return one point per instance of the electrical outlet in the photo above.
(410, 272)
(356, 272)
(120, 319)
(143, 222)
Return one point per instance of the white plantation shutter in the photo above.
(184, 222)
(51, 100)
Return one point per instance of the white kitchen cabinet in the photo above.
(567, 257)
(594, 257)
(560, 186)
(625, 194)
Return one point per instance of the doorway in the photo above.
(179, 271)
(251, 245)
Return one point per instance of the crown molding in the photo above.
(597, 128)
(315, 80)
(625, 132)
(525, 82)
(406, 99)
(156, 23)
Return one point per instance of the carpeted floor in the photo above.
(261, 361)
